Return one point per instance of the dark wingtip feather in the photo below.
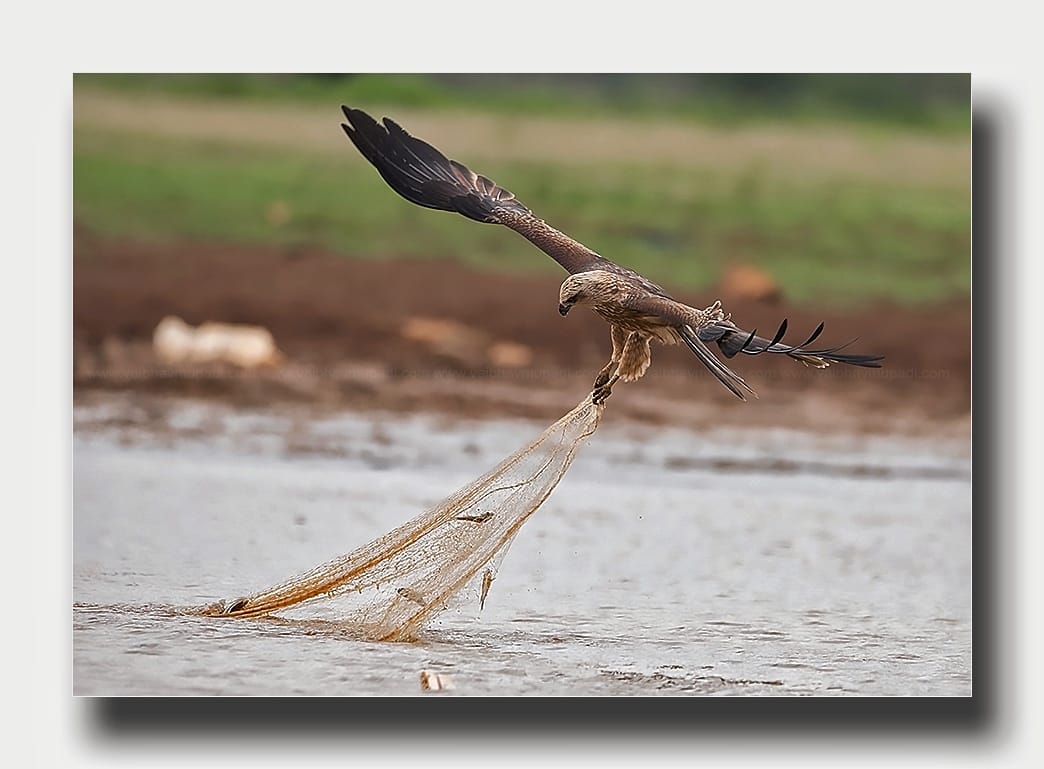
(746, 343)
(779, 334)
(866, 361)
(816, 333)
(358, 119)
(834, 354)
(811, 337)
(755, 345)
(800, 348)
(420, 172)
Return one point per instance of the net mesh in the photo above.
(400, 581)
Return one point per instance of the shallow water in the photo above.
(666, 562)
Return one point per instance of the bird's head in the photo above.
(589, 287)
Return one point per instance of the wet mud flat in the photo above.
(669, 561)
(360, 354)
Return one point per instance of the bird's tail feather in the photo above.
(733, 381)
(422, 174)
(732, 341)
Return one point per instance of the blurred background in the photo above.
(277, 359)
(236, 199)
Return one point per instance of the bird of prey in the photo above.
(637, 309)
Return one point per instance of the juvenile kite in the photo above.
(637, 309)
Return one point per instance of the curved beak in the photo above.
(563, 309)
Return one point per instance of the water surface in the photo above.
(666, 562)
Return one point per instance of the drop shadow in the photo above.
(396, 718)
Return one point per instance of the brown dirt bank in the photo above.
(340, 323)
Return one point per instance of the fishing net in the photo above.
(400, 581)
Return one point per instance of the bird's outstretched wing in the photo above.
(731, 340)
(423, 175)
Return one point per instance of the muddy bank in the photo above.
(341, 323)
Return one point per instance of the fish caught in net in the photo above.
(396, 584)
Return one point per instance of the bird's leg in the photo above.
(603, 376)
(619, 338)
(603, 391)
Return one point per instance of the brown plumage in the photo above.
(637, 309)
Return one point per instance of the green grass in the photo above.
(934, 103)
(828, 240)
